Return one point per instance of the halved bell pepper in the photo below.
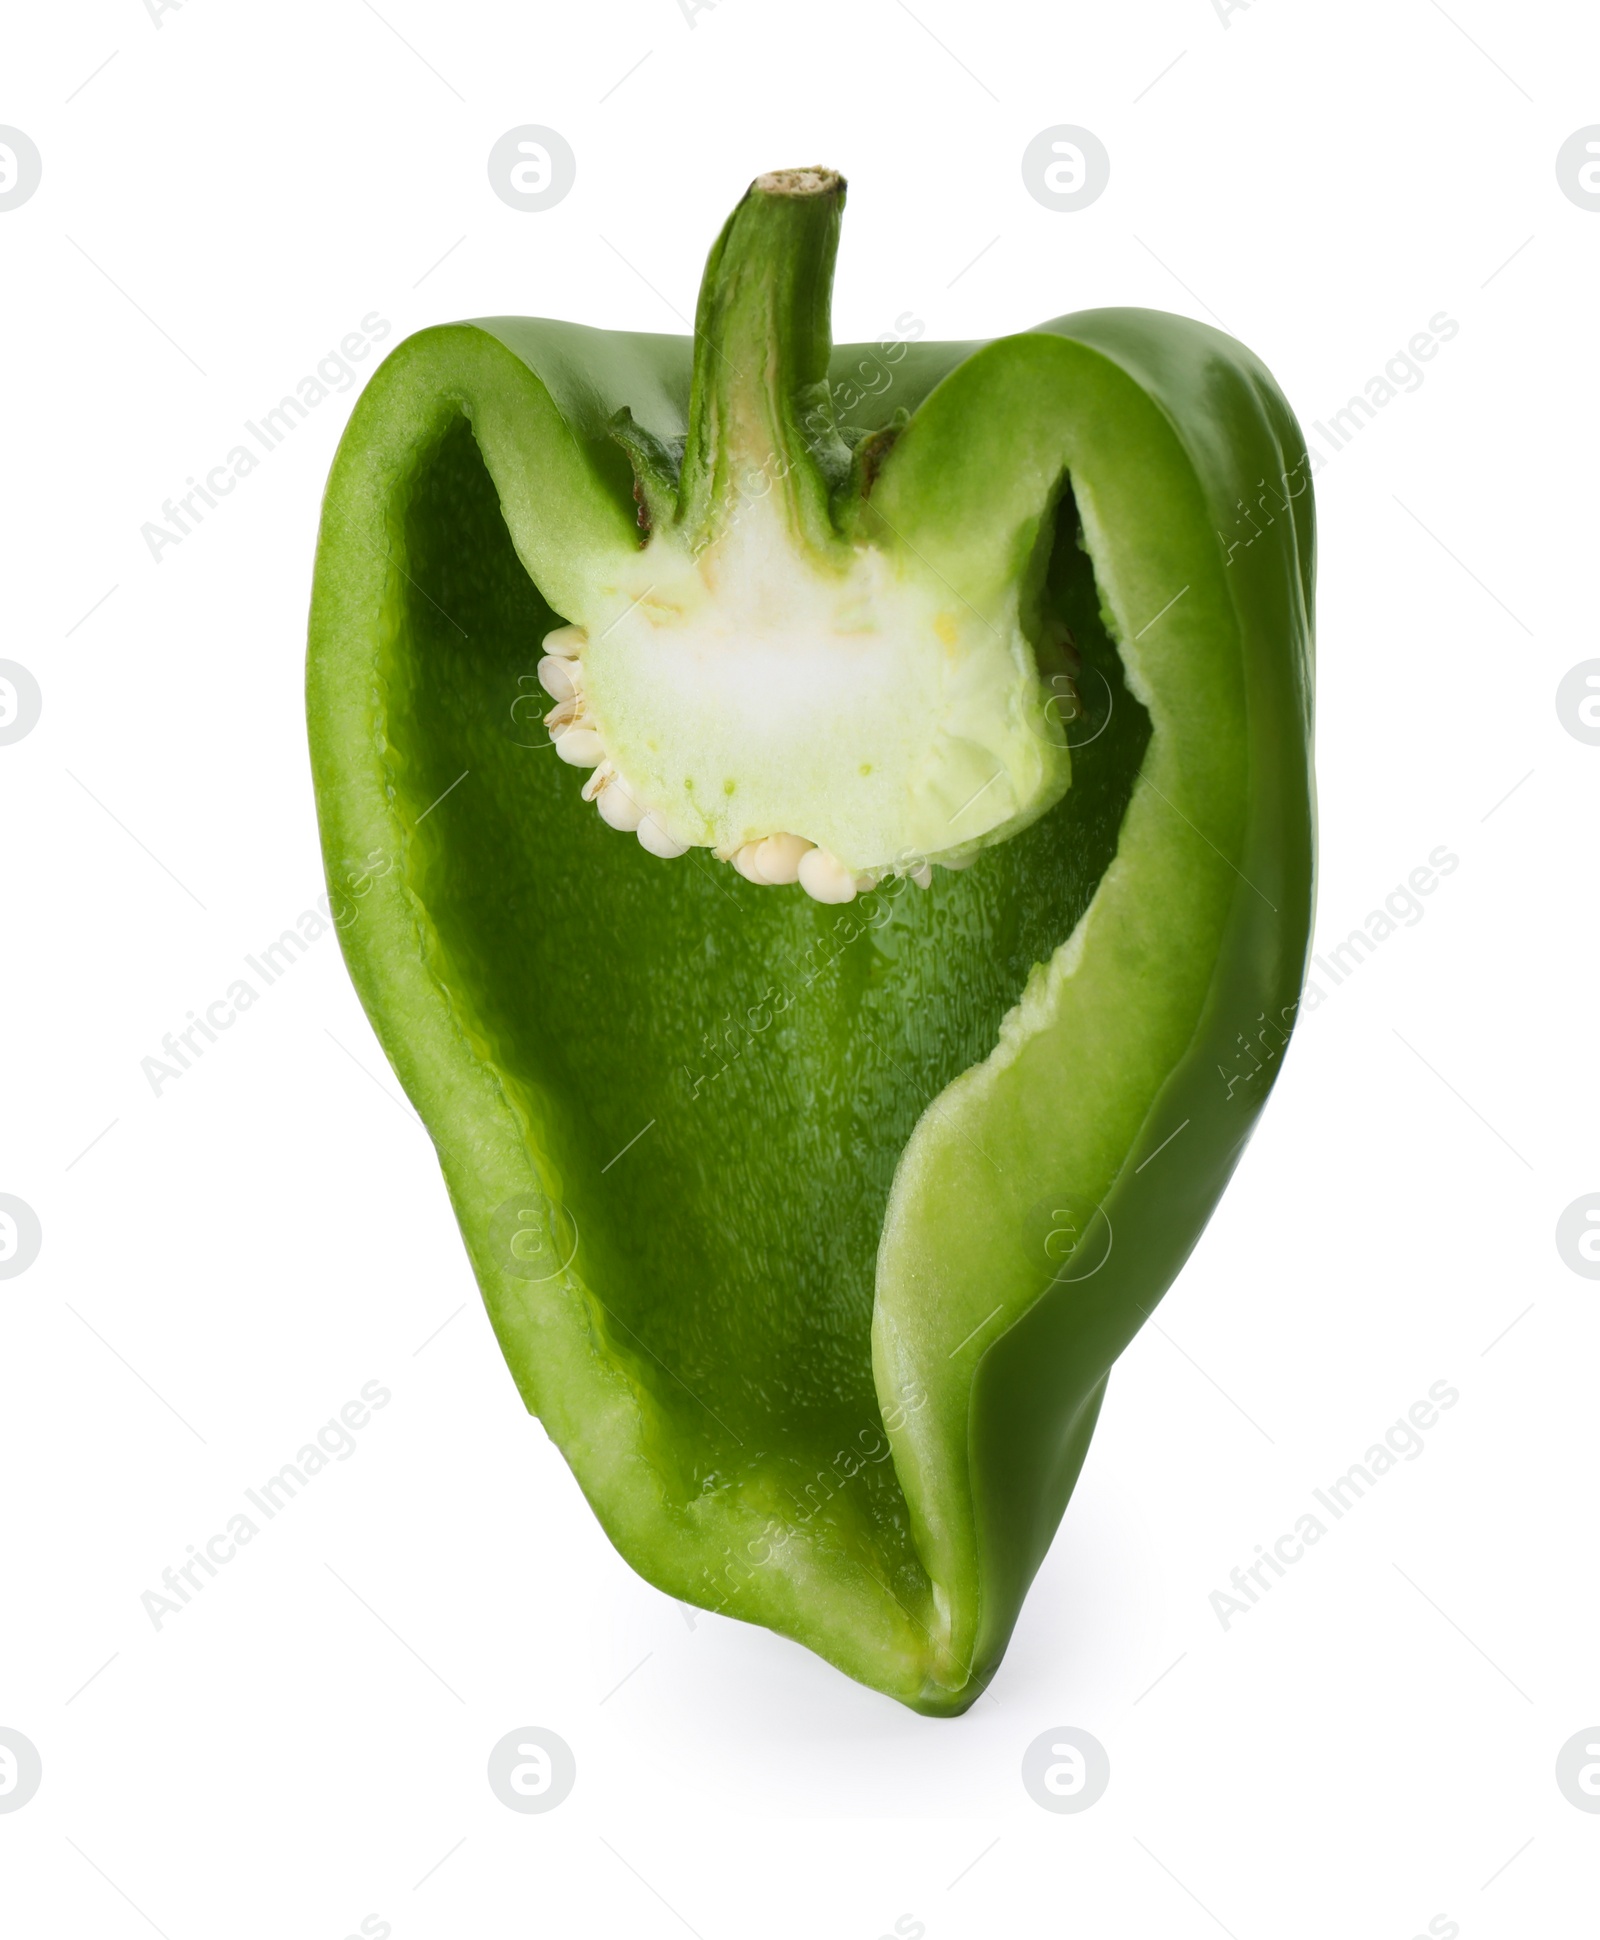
(837, 1025)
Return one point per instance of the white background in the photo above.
(227, 1263)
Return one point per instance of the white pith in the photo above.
(804, 722)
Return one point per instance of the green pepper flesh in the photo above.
(839, 1319)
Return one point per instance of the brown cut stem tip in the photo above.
(800, 181)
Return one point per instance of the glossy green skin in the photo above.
(832, 1342)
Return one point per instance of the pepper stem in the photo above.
(761, 423)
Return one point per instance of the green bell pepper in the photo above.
(813, 1178)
